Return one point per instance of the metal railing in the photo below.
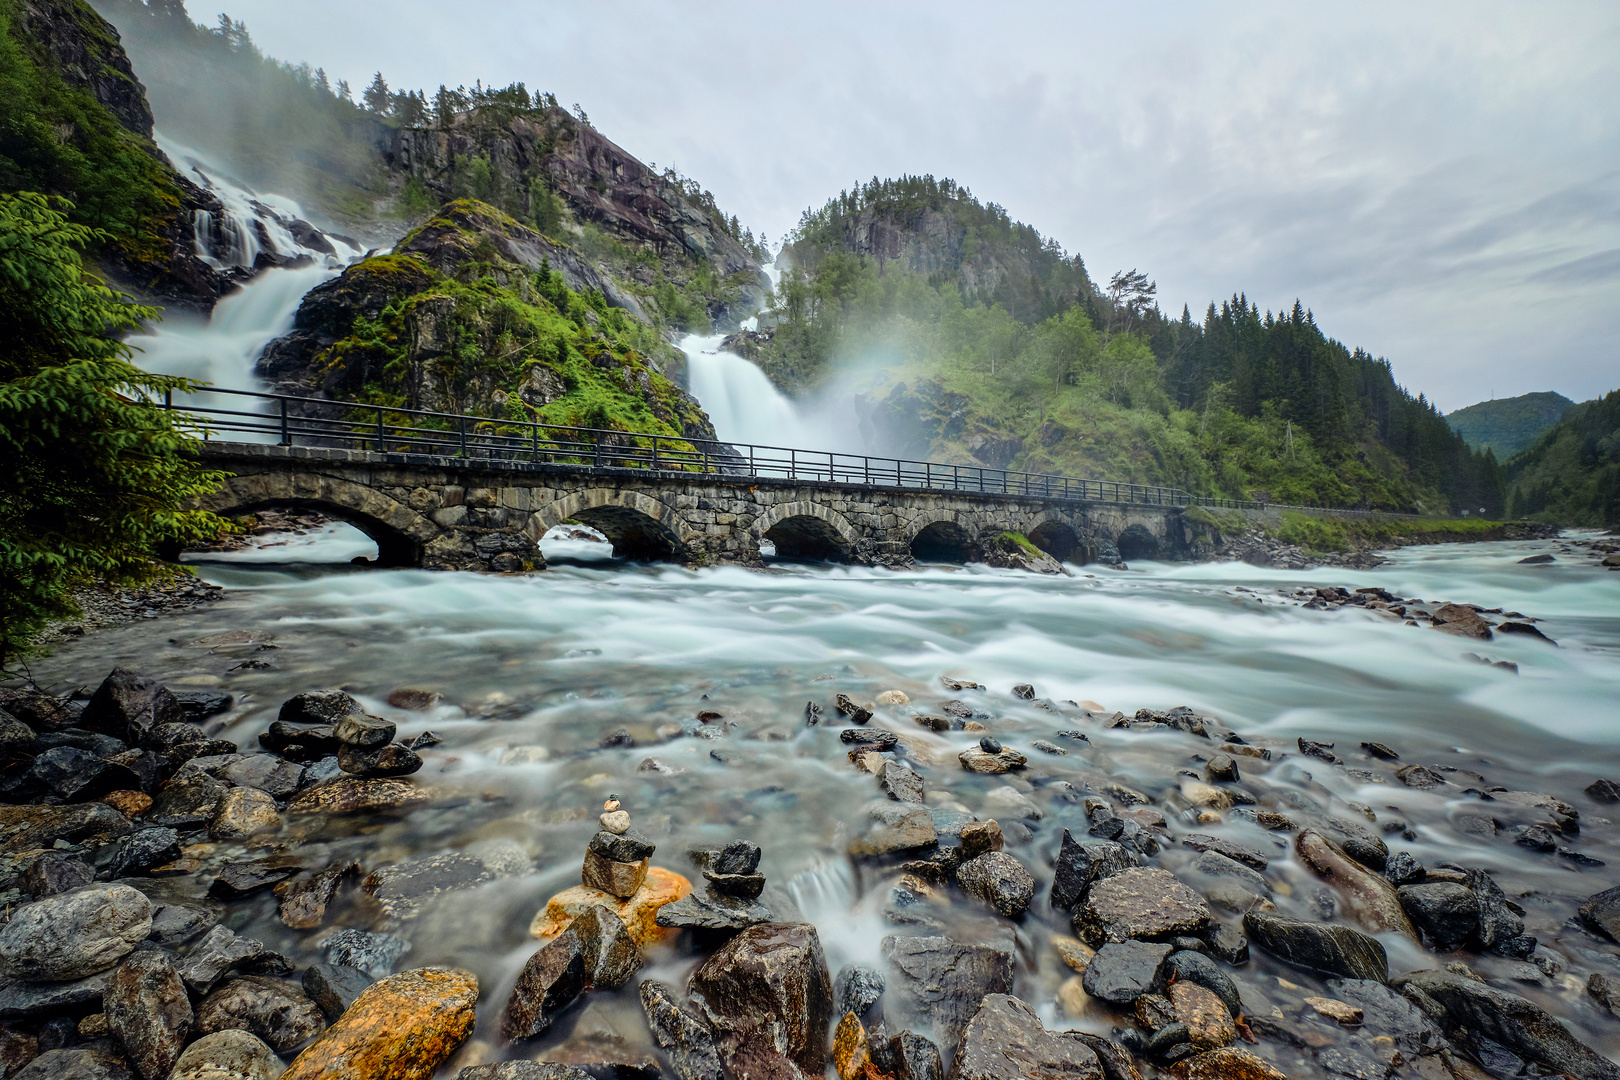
(290, 420)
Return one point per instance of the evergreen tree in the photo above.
(376, 97)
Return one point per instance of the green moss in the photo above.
(1320, 534)
(1229, 522)
(1018, 540)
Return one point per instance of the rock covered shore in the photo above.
(1223, 926)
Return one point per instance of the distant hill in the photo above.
(1508, 425)
(1571, 474)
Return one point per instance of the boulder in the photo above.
(618, 879)
(394, 759)
(1005, 1041)
(362, 730)
(940, 983)
(74, 934)
(267, 773)
(628, 846)
(1601, 912)
(1368, 898)
(187, 801)
(227, 1055)
(1209, 1023)
(1461, 620)
(29, 828)
(767, 995)
(73, 775)
(98, 1060)
(1000, 881)
(681, 1032)
(334, 987)
(979, 837)
(244, 812)
(1123, 971)
(639, 913)
(1248, 856)
(1386, 1013)
(1082, 863)
(51, 873)
(1447, 913)
(403, 888)
(976, 759)
(1198, 969)
(236, 880)
(906, 831)
(318, 707)
(1521, 1026)
(402, 1028)
(611, 955)
(354, 795)
(716, 912)
(1227, 1063)
(901, 782)
(218, 952)
(851, 1051)
(857, 988)
(1145, 903)
(127, 703)
(278, 1012)
(1329, 950)
(737, 857)
(147, 1008)
(554, 976)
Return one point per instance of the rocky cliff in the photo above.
(473, 312)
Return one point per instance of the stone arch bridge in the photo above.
(460, 514)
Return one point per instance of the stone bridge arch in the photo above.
(401, 534)
(638, 525)
(1057, 535)
(807, 530)
(938, 535)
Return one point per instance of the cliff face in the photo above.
(516, 160)
(474, 313)
(104, 159)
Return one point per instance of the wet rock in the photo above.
(1082, 863)
(99, 1060)
(767, 996)
(1603, 791)
(51, 873)
(28, 828)
(1005, 1041)
(147, 1008)
(1242, 853)
(535, 1070)
(1209, 1024)
(300, 742)
(742, 886)
(618, 879)
(14, 734)
(1145, 903)
(1447, 914)
(1403, 869)
(714, 912)
(979, 837)
(244, 812)
(1601, 912)
(1379, 750)
(277, 1012)
(1226, 944)
(187, 801)
(847, 706)
(1234, 876)
(73, 775)
(908, 830)
(214, 955)
(318, 707)
(901, 782)
(857, 988)
(227, 1055)
(909, 1056)
(681, 1032)
(267, 773)
(1123, 971)
(877, 738)
(127, 703)
(940, 982)
(976, 759)
(1520, 1025)
(1227, 1063)
(237, 880)
(1385, 1013)
(1605, 990)
(393, 759)
(401, 1028)
(1000, 881)
(303, 898)
(174, 925)
(374, 954)
(851, 1053)
(1198, 969)
(550, 981)
(611, 955)
(1222, 769)
(737, 857)
(74, 934)
(1321, 750)
(353, 795)
(639, 913)
(334, 987)
(1461, 620)
(1420, 777)
(1368, 898)
(629, 846)
(1329, 950)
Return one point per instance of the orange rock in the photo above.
(1203, 1013)
(660, 887)
(129, 803)
(401, 1028)
(851, 1054)
(1227, 1063)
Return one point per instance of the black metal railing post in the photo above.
(379, 429)
(286, 435)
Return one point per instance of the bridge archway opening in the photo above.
(393, 547)
(942, 541)
(806, 538)
(1056, 539)
(635, 536)
(1137, 542)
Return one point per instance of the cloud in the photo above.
(1438, 182)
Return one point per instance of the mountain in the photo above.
(950, 331)
(1571, 474)
(1508, 425)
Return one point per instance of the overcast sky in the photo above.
(1439, 182)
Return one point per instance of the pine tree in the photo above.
(321, 82)
(376, 96)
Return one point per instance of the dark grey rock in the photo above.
(1321, 750)
(98, 1060)
(1248, 856)
(218, 952)
(363, 731)
(1227, 944)
(681, 1032)
(1402, 869)
(187, 801)
(198, 705)
(1386, 1012)
(990, 745)
(1171, 1037)
(1116, 1061)
(78, 739)
(1000, 881)
(51, 873)
(720, 912)
(1198, 969)
(127, 703)
(31, 1001)
(1603, 791)
(631, 846)
(374, 954)
(878, 737)
(1005, 1041)
(857, 988)
(300, 742)
(1081, 863)
(29, 828)
(1520, 1025)
(532, 1070)
(74, 934)
(1446, 913)
(737, 857)
(333, 986)
(1214, 864)
(394, 759)
(1145, 903)
(901, 782)
(767, 997)
(554, 976)
(79, 775)
(611, 954)
(1123, 971)
(278, 1012)
(147, 1008)
(237, 880)
(276, 778)
(938, 982)
(1601, 912)
(318, 707)
(913, 1057)
(402, 888)
(174, 925)
(139, 852)
(1330, 950)
(1222, 769)
(741, 886)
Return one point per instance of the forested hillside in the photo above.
(965, 335)
(1571, 474)
(1508, 425)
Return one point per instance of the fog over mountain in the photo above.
(1441, 184)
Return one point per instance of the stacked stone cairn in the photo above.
(616, 860)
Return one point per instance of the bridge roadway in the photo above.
(459, 513)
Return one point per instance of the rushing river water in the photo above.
(536, 672)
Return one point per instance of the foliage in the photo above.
(1571, 474)
(57, 139)
(94, 479)
(1508, 425)
(1318, 534)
